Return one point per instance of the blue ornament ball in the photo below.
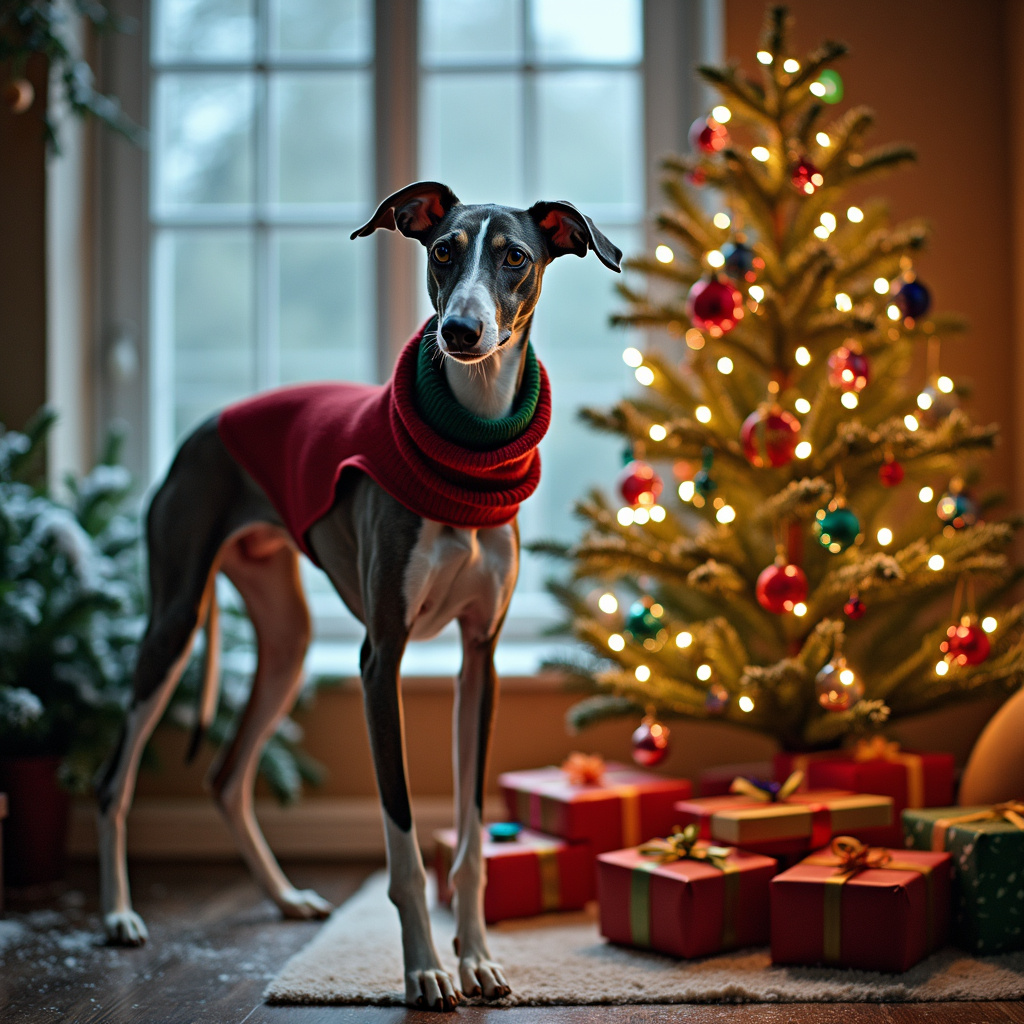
(913, 299)
(836, 529)
(741, 262)
(957, 510)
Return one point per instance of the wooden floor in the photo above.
(215, 943)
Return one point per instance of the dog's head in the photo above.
(485, 263)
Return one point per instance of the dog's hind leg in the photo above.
(264, 567)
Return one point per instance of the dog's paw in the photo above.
(482, 976)
(304, 905)
(431, 990)
(125, 928)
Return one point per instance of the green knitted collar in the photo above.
(455, 423)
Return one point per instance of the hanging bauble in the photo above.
(716, 699)
(643, 624)
(741, 262)
(966, 643)
(890, 472)
(838, 686)
(781, 587)
(702, 482)
(708, 136)
(935, 405)
(714, 305)
(770, 436)
(828, 86)
(848, 369)
(957, 510)
(854, 608)
(806, 178)
(913, 299)
(836, 528)
(18, 95)
(639, 484)
(650, 742)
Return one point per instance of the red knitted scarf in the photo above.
(296, 442)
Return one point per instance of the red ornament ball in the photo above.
(650, 743)
(855, 607)
(639, 484)
(697, 177)
(890, 473)
(781, 587)
(965, 644)
(770, 437)
(848, 369)
(806, 178)
(707, 135)
(714, 305)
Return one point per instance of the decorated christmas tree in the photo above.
(797, 544)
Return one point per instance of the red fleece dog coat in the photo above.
(296, 441)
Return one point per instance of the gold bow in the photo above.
(878, 748)
(1012, 812)
(756, 792)
(584, 769)
(855, 856)
(680, 846)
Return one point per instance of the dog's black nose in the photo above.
(461, 333)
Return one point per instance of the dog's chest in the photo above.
(453, 573)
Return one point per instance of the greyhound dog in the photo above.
(406, 563)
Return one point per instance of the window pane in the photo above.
(326, 319)
(204, 29)
(206, 296)
(471, 31)
(204, 132)
(590, 136)
(469, 135)
(587, 30)
(322, 28)
(321, 123)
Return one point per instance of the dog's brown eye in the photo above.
(515, 257)
(441, 253)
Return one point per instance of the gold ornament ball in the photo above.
(18, 95)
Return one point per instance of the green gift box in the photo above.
(987, 847)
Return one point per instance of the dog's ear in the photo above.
(413, 210)
(565, 229)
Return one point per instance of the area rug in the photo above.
(561, 959)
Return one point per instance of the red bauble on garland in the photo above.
(848, 369)
(966, 643)
(714, 305)
(639, 484)
(855, 607)
(781, 587)
(770, 436)
(890, 473)
(806, 178)
(650, 742)
(707, 135)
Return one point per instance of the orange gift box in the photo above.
(624, 808)
(884, 917)
(531, 874)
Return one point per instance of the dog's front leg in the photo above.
(427, 984)
(476, 691)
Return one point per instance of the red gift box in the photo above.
(623, 809)
(911, 779)
(795, 824)
(716, 781)
(882, 918)
(687, 908)
(531, 874)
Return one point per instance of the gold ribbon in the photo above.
(584, 769)
(630, 797)
(550, 878)
(878, 748)
(756, 792)
(1012, 812)
(850, 856)
(680, 846)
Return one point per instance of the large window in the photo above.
(275, 125)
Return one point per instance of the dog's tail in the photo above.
(210, 685)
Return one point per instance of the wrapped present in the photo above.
(778, 820)
(611, 806)
(858, 906)
(786, 763)
(879, 766)
(987, 847)
(683, 896)
(717, 780)
(527, 873)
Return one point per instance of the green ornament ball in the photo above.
(643, 624)
(836, 529)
